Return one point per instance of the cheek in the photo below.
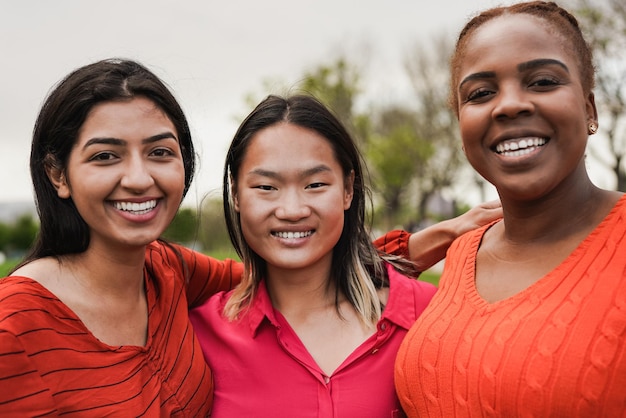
(253, 234)
(334, 210)
(468, 142)
(470, 124)
(250, 216)
(176, 179)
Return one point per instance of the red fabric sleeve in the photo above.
(23, 392)
(394, 242)
(203, 275)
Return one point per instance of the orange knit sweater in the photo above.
(556, 349)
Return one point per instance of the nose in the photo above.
(137, 176)
(292, 206)
(513, 101)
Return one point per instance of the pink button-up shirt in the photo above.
(262, 369)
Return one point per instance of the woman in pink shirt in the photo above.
(314, 327)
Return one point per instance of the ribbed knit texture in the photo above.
(556, 349)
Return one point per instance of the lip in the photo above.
(519, 145)
(292, 234)
(511, 136)
(136, 209)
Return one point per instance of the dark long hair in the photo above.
(356, 264)
(62, 229)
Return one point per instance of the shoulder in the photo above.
(407, 291)
(213, 306)
(160, 252)
(620, 206)
(213, 327)
(17, 290)
(24, 304)
(469, 242)
(398, 282)
(163, 255)
(407, 298)
(42, 270)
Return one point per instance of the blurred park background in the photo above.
(409, 138)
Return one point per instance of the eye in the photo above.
(478, 95)
(545, 82)
(103, 156)
(264, 187)
(162, 152)
(316, 185)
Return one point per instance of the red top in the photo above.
(558, 348)
(262, 369)
(51, 365)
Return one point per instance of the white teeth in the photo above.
(519, 147)
(136, 208)
(292, 235)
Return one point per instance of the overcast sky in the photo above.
(212, 54)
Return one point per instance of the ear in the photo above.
(57, 177)
(233, 194)
(590, 106)
(348, 191)
(235, 202)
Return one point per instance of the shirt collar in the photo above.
(401, 305)
(400, 308)
(261, 309)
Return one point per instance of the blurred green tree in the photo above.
(427, 69)
(23, 233)
(184, 227)
(5, 236)
(604, 23)
(395, 152)
(213, 234)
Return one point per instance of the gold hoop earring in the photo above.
(592, 128)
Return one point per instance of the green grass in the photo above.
(430, 276)
(6, 266)
(222, 254)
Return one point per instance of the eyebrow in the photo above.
(118, 141)
(525, 66)
(541, 62)
(303, 174)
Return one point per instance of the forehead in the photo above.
(287, 146)
(125, 117)
(515, 38)
(132, 107)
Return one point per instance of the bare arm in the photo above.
(428, 246)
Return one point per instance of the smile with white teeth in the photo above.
(292, 235)
(519, 147)
(136, 208)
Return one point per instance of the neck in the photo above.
(556, 217)
(115, 274)
(301, 291)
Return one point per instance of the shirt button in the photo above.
(326, 379)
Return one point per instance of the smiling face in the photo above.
(523, 113)
(291, 195)
(125, 173)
